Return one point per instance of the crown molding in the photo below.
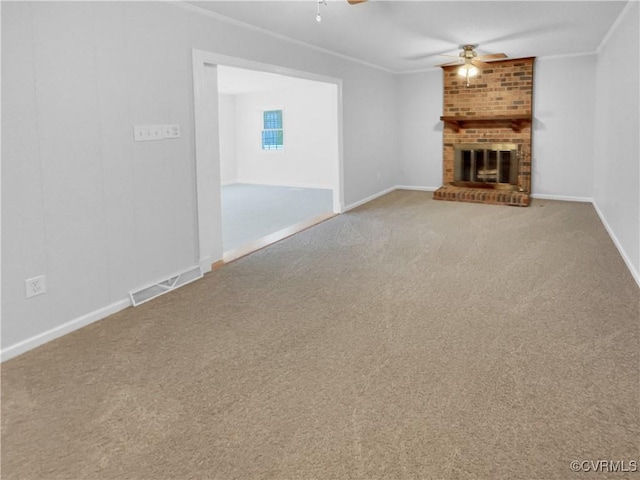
(616, 24)
(231, 21)
(567, 55)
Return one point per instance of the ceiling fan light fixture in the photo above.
(468, 70)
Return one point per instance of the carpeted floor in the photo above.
(408, 338)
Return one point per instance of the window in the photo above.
(272, 133)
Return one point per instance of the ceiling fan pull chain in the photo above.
(318, 16)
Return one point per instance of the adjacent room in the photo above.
(306, 240)
(267, 185)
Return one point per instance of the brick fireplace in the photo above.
(487, 134)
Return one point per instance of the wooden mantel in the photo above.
(458, 122)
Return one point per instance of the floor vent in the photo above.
(154, 290)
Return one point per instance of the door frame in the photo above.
(207, 145)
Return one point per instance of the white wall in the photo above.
(81, 202)
(563, 109)
(420, 129)
(228, 140)
(86, 206)
(370, 145)
(617, 146)
(310, 154)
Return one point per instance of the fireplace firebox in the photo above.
(486, 165)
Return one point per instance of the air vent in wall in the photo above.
(154, 290)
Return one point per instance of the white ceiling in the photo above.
(235, 81)
(405, 36)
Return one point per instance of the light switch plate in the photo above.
(171, 131)
(145, 133)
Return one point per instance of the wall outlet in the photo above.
(35, 286)
(171, 131)
(145, 133)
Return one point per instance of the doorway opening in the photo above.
(239, 165)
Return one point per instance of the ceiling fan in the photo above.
(471, 61)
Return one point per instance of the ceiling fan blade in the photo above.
(480, 64)
(491, 56)
(448, 64)
(355, 2)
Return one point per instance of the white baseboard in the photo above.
(368, 199)
(44, 337)
(562, 198)
(413, 187)
(616, 242)
(206, 262)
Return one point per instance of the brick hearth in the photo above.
(481, 195)
(495, 108)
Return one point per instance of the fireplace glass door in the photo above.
(491, 163)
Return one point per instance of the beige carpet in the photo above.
(409, 338)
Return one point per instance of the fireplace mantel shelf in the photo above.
(515, 121)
